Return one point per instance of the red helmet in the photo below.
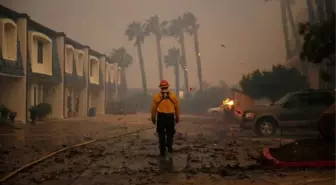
(164, 83)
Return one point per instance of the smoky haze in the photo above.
(250, 30)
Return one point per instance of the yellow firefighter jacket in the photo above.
(165, 102)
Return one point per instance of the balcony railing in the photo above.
(9, 67)
(73, 79)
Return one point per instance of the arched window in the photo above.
(8, 39)
(40, 48)
(69, 58)
(94, 70)
(79, 62)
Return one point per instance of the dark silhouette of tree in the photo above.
(192, 28)
(176, 28)
(320, 9)
(273, 84)
(293, 25)
(329, 6)
(287, 17)
(284, 23)
(311, 12)
(319, 44)
(173, 59)
(157, 28)
(136, 31)
(123, 59)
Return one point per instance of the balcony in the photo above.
(10, 54)
(79, 62)
(72, 79)
(50, 71)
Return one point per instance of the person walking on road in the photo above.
(165, 113)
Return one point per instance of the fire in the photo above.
(228, 101)
(228, 104)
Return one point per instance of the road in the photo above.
(206, 152)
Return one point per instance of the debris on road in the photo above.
(305, 150)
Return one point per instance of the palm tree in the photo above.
(176, 28)
(123, 60)
(136, 31)
(157, 28)
(311, 12)
(173, 59)
(295, 31)
(284, 27)
(329, 6)
(320, 9)
(192, 28)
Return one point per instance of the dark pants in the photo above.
(166, 130)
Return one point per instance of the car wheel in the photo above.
(266, 127)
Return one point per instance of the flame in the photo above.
(228, 101)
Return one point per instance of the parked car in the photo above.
(326, 123)
(214, 111)
(300, 109)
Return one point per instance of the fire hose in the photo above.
(12, 174)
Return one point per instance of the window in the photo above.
(91, 68)
(79, 64)
(39, 52)
(321, 99)
(298, 101)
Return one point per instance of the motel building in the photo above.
(41, 65)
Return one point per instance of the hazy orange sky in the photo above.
(251, 30)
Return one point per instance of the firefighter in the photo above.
(165, 113)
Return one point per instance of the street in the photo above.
(205, 152)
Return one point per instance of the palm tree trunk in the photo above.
(285, 27)
(198, 60)
(177, 79)
(311, 13)
(123, 81)
(159, 55)
(293, 26)
(184, 67)
(142, 69)
(320, 9)
(329, 7)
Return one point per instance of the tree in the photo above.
(192, 28)
(319, 44)
(136, 31)
(288, 5)
(176, 28)
(311, 12)
(173, 59)
(123, 60)
(157, 28)
(284, 27)
(273, 84)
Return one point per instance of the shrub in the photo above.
(4, 111)
(40, 111)
(43, 110)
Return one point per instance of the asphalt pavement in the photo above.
(206, 151)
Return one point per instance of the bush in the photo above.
(41, 110)
(4, 111)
